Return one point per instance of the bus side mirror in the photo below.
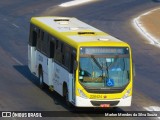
(75, 65)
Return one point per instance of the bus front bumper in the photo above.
(82, 102)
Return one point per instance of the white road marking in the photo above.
(153, 108)
(143, 30)
(74, 2)
(15, 25)
(17, 61)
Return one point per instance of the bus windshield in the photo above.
(104, 67)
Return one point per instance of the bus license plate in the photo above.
(105, 105)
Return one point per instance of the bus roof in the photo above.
(75, 32)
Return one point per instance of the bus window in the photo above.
(42, 35)
(45, 43)
(33, 38)
(39, 33)
(52, 49)
(66, 55)
(57, 44)
(38, 47)
(62, 47)
(72, 62)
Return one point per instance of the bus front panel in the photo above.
(104, 77)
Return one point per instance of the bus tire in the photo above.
(66, 96)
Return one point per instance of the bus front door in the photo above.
(72, 77)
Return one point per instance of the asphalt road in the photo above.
(19, 89)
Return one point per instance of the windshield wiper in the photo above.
(101, 68)
(95, 61)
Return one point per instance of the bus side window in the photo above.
(39, 33)
(52, 49)
(38, 47)
(64, 52)
(72, 62)
(45, 43)
(58, 53)
(57, 44)
(42, 35)
(34, 38)
(66, 55)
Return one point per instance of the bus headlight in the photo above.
(81, 93)
(127, 94)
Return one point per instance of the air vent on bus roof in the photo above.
(86, 33)
(62, 21)
(58, 20)
(103, 39)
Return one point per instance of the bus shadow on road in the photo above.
(59, 100)
(24, 70)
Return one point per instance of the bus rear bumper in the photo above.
(82, 102)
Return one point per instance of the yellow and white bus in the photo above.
(86, 66)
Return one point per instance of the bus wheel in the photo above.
(67, 98)
(41, 82)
